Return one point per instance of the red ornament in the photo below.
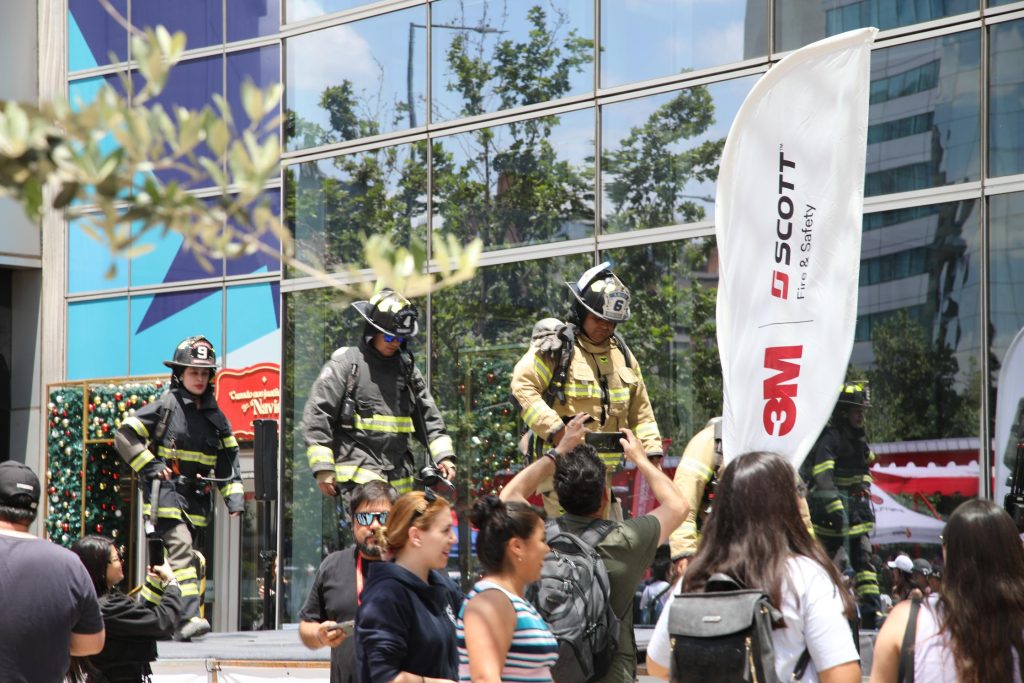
(115, 476)
(88, 487)
(103, 506)
(105, 427)
(118, 396)
(99, 528)
(490, 377)
(52, 489)
(65, 526)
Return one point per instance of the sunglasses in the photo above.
(366, 518)
(392, 338)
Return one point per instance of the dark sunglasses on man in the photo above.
(366, 518)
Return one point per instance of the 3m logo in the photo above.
(780, 285)
(780, 389)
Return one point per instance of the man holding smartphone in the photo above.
(585, 367)
(327, 618)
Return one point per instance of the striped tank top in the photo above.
(533, 650)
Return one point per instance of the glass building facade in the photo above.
(563, 133)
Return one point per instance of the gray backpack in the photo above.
(724, 635)
(573, 596)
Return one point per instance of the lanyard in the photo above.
(359, 577)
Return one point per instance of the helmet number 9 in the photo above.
(202, 352)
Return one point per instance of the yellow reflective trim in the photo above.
(698, 468)
(867, 590)
(141, 460)
(580, 390)
(867, 576)
(229, 442)
(137, 426)
(198, 520)
(186, 573)
(234, 488)
(541, 369)
(166, 513)
(356, 474)
(647, 429)
(403, 485)
(187, 456)
(834, 506)
(441, 445)
(188, 589)
(861, 529)
(618, 395)
(533, 413)
(822, 531)
(384, 423)
(149, 595)
(611, 459)
(823, 466)
(317, 454)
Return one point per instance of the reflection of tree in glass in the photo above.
(646, 174)
(672, 331)
(913, 392)
(518, 192)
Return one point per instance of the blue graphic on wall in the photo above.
(89, 261)
(253, 329)
(97, 339)
(93, 34)
(160, 321)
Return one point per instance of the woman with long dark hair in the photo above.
(973, 632)
(133, 626)
(755, 535)
(405, 625)
(501, 636)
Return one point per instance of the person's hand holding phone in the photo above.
(574, 433)
(333, 634)
(631, 446)
(163, 572)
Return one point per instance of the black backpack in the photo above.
(724, 635)
(573, 596)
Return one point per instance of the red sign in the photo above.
(252, 393)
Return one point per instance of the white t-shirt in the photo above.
(814, 618)
(933, 654)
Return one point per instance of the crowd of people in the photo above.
(557, 598)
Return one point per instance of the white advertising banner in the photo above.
(788, 221)
(1008, 414)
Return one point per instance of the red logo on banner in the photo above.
(779, 407)
(780, 285)
(252, 393)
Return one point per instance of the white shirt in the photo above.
(813, 611)
(933, 655)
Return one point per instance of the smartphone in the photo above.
(155, 551)
(346, 627)
(606, 442)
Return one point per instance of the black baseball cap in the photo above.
(19, 486)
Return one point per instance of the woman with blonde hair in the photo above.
(405, 625)
(973, 632)
(501, 636)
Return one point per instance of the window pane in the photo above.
(522, 183)
(248, 19)
(1006, 99)
(93, 34)
(190, 84)
(85, 321)
(89, 262)
(253, 327)
(925, 115)
(169, 259)
(260, 261)
(661, 153)
(261, 66)
(202, 21)
(919, 321)
(83, 92)
(333, 203)
(297, 10)
(160, 321)
(488, 56)
(646, 39)
(671, 331)
(480, 329)
(366, 93)
(798, 22)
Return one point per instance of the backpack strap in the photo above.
(718, 582)
(167, 402)
(906, 669)
(624, 348)
(555, 390)
(596, 531)
(801, 665)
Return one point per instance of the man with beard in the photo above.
(334, 597)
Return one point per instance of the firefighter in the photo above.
(839, 494)
(366, 402)
(185, 442)
(583, 366)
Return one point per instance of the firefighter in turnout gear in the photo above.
(367, 401)
(183, 441)
(839, 494)
(585, 367)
